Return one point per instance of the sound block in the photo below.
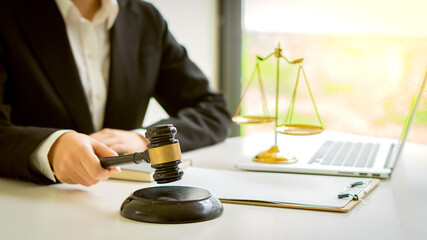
(171, 204)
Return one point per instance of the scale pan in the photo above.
(299, 129)
(252, 119)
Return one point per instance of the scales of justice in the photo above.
(289, 126)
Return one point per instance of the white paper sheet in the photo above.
(280, 188)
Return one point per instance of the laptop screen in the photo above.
(410, 117)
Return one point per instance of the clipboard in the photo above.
(353, 201)
(298, 191)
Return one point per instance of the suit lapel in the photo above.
(44, 28)
(124, 57)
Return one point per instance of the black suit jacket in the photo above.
(40, 89)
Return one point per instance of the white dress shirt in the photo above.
(90, 44)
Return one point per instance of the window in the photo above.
(364, 60)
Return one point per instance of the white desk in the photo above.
(395, 210)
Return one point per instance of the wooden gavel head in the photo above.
(164, 153)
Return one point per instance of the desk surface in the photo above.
(395, 210)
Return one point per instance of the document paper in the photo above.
(278, 188)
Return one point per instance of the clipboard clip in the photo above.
(346, 195)
(355, 184)
(354, 196)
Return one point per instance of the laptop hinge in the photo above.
(389, 163)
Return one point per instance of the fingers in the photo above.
(92, 166)
(109, 137)
(75, 178)
(121, 141)
(121, 148)
(74, 159)
(75, 175)
(115, 169)
(105, 134)
(101, 150)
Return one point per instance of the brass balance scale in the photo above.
(273, 155)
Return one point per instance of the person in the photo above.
(76, 77)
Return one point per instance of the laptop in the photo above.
(337, 153)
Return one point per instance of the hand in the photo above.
(74, 159)
(121, 141)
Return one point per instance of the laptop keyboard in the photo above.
(348, 154)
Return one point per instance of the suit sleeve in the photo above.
(17, 142)
(199, 114)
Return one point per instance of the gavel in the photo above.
(163, 153)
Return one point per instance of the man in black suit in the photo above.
(76, 77)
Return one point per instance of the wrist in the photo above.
(53, 148)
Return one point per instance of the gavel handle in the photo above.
(138, 157)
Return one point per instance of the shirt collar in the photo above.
(107, 13)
